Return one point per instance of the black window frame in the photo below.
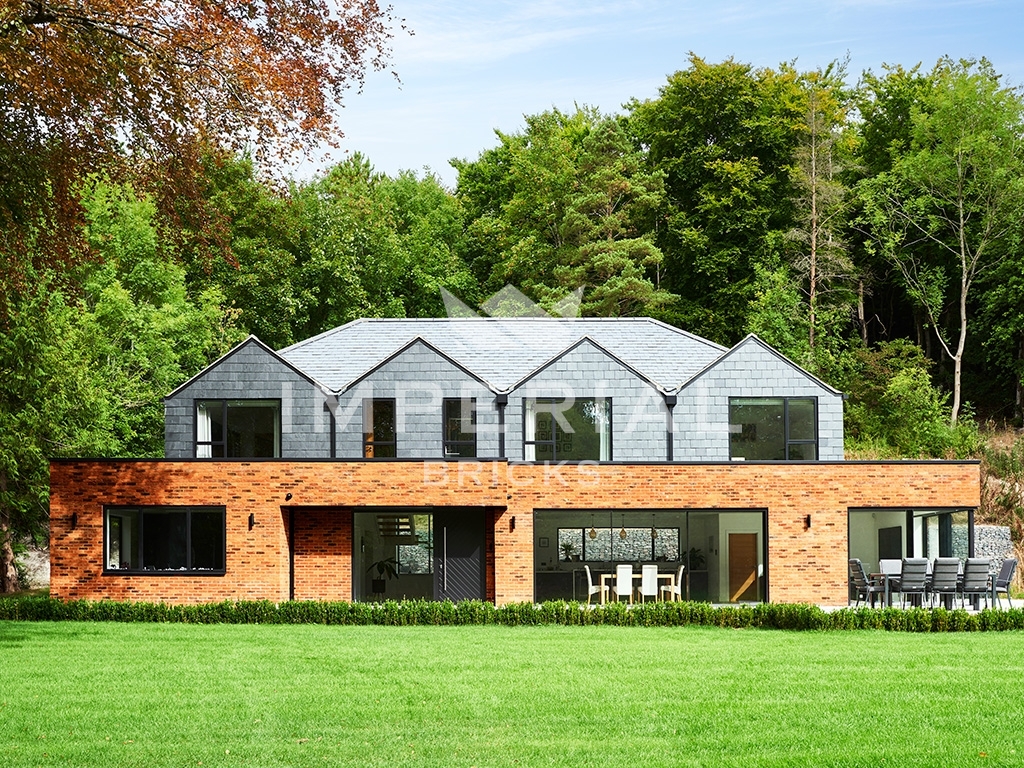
(373, 445)
(225, 404)
(138, 555)
(788, 441)
(553, 442)
(448, 443)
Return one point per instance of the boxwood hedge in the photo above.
(425, 613)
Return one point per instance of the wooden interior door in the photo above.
(742, 566)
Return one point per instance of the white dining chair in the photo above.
(623, 586)
(648, 583)
(674, 591)
(594, 588)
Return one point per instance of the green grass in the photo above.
(102, 694)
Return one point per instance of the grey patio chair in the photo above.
(866, 588)
(1004, 579)
(977, 580)
(946, 578)
(594, 588)
(913, 580)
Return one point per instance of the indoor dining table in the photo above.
(608, 579)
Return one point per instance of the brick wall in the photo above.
(804, 564)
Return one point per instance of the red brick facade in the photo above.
(805, 564)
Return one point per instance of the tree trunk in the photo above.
(958, 357)
(1018, 410)
(860, 313)
(8, 573)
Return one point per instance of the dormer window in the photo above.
(379, 437)
(567, 429)
(773, 428)
(459, 427)
(238, 429)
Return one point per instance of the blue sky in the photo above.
(475, 66)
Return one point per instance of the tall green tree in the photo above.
(724, 136)
(885, 103)
(566, 204)
(958, 192)
(373, 246)
(144, 333)
(822, 200)
(258, 226)
(52, 404)
(429, 223)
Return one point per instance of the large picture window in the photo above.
(165, 539)
(379, 441)
(567, 429)
(773, 428)
(238, 429)
(460, 427)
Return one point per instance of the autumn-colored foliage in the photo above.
(87, 82)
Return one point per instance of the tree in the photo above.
(958, 193)
(567, 204)
(261, 230)
(885, 132)
(373, 246)
(724, 136)
(84, 86)
(822, 200)
(84, 375)
(143, 333)
(429, 223)
(51, 405)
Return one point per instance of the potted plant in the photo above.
(567, 549)
(697, 559)
(387, 566)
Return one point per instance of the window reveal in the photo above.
(773, 428)
(238, 429)
(379, 439)
(166, 539)
(567, 430)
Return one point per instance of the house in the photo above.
(497, 459)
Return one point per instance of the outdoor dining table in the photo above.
(888, 579)
(607, 579)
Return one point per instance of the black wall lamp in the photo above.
(74, 520)
(287, 497)
(252, 520)
(512, 523)
(807, 522)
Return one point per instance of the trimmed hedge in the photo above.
(424, 613)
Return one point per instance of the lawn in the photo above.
(97, 694)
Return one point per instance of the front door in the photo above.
(459, 548)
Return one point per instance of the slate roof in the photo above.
(503, 351)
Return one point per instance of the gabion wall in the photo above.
(989, 541)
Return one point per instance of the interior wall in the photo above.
(864, 527)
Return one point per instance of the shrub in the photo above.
(776, 616)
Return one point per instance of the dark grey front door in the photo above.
(459, 555)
